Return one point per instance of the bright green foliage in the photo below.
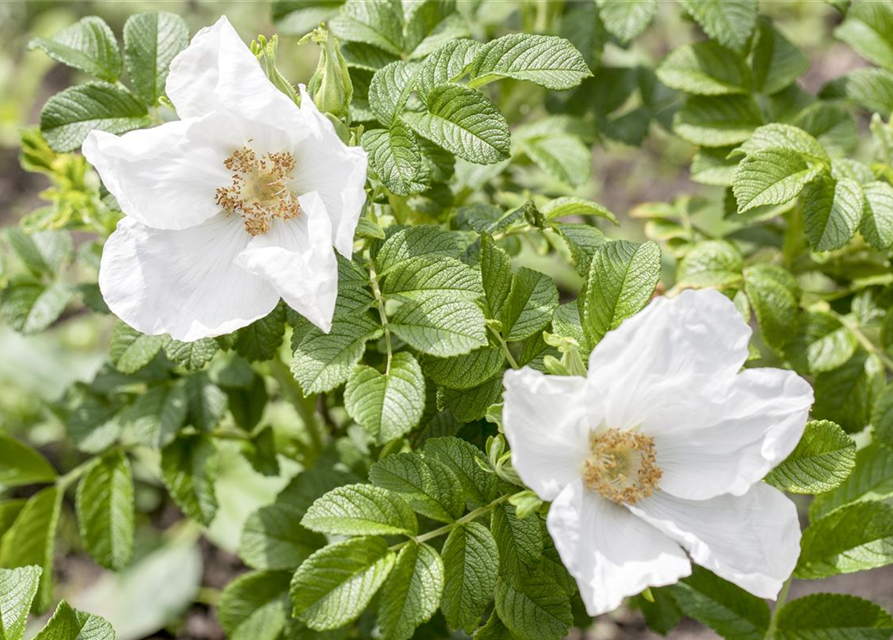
(829, 615)
(361, 509)
(157, 416)
(533, 607)
(255, 606)
(706, 69)
(429, 486)
(189, 469)
(441, 326)
(88, 45)
(822, 460)
(17, 589)
(868, 29)
(730, 22)
(151, 41)
(70, 624)
(551, 62)
(469, 465)
(714, 263)
(130, 350)
(773, 293)
(20, 464)
(626, 20)
(105, 511)
(823, 343)
(412, 592)
(471, 560)
(870, 480)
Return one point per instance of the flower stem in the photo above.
(505, 349)
(468, 517)
(379, 302)
(779, 604)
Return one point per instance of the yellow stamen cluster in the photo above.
(259, 189)
(622, 466)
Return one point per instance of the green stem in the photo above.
(468, 517)
(505, 349)
(868, 344)
(379, 302)
(65, 481)
(304, 405)
(782, 597)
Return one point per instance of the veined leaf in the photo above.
(823, 459)
(375, 22)
(396, 159)
(412, 592)
(773, 293)
(868, 29)
(832, 211)
(533, 607)
(411, 242)
(71, 624)
(158, 414)
(877, 222)
(729, 22)
(105, 511)
(189, 471)
(31, 307)
(130, 350)
(255, 606)
(627, 19)
(425, 276)
(465, 371)
(833, 615)
(822, 344)
(705, 68)
(776, 61)
(573, 206)
(426, 484)
(496, 274)
(784, 136)
(529, 306)
(17, 589)
(546, 60)
(441, 326)
(361, 509)
(20, 464)
(89, 45)
(151, 41)
(713, 263)
(472, 561)
(390, 88)
(445, 64)
(772, 176)
(871, 479)
(467, 462)
(717, 121)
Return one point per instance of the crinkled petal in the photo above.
(217, 72)
(695, 342)
(185, 282)
(297, 259)
(165, 177)
(727, 446)
(751, 540)
(333, 170)
(546, 425)
(611, 553)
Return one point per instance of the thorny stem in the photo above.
(782, 597)
(379, 302)
(468, 517)
(304, 405)
(505, 349)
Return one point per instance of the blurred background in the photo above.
(184, 572)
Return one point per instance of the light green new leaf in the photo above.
(705, 68)
(549, 61)
(189, 471)
(712, 263)
(360, 510)
(868, 29)
(853, 538)
(31, 307)
(32, 539)
(627, 19)
(725, 608)
(465, 371)
(255, 606)
(621, 281)
(429, 486)
(89, 45)
(533, 607)
(20, 464)
(130, 350)
(71, 624)
(105, 511)
(334, 585)
(729, 22)
(717, 121)
(412, 592)
(472, 567)
(468, 463)
(441, 326)
(389, 404)
(773, 293)
(772, 176)
(375, 22)
(823, 459)
(529, 306)
(877, 222)
(872, 479)
(832, 211)
(425, 276)
(390, 88)
(776, 61)
(17, 589)
(821, 616)
(573, 206)
(446, 64)
(463, 122)
(151, 41)
(395, 157)
(70, 115)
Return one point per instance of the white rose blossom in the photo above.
(231, 208)
(661, 451)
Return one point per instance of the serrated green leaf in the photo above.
(621, 281)
(627, 19)
(359, 510)
(255, 606)
(871, 479)
(260, 340)
(192, 356)
(725, 608)
(705, 68)
(105, 511)
(375, 22)
(853, 538)
(583, 241)
(868, 29)
(17, 589)
(870, 87)
(334, 585)
(773, 293)
(846, 394)
(573, 206)
(713, 263)
(776, 61)
(429, 486)
(71, 624)
(729, 22)
(717, 121)
(70, 115)
(130, 350)
(445, 64)
(395, 157)
(877, 221)
(463, 122)
(529, 306)
(31, 307)
(273, 537)
(548, 61)
(429, 24)
(246, 404)
(833, 615)
(496, 274)
(832, 210)
(387, 405)
(519, 540)
(465, 371)
(822, 344)
(158, 414)
(441, 326)
(89, 45)
(882, 417)
(772, 176)
(20, 464)
(412, 592)
(189, 471)
(533, 607)
(425, 276)
(151, 41)
(713, 167)
(783, 136)
(411, 242)
(823, 459)
(471, 560)
(468, 463)
(31, 541)
(564, 157)
(206, 402)
(468, 405)
(389, 90)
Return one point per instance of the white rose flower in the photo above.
(232, 207)
(661, 449)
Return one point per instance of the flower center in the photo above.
(259, 188)
(622, 466)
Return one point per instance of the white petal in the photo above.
(332, 169)
(297, 259)
(611, 553)
(728, 445)
(184, 283)
(751, 540)
(165, 177)
(696, 341)
(218, 72)
(545, 424)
